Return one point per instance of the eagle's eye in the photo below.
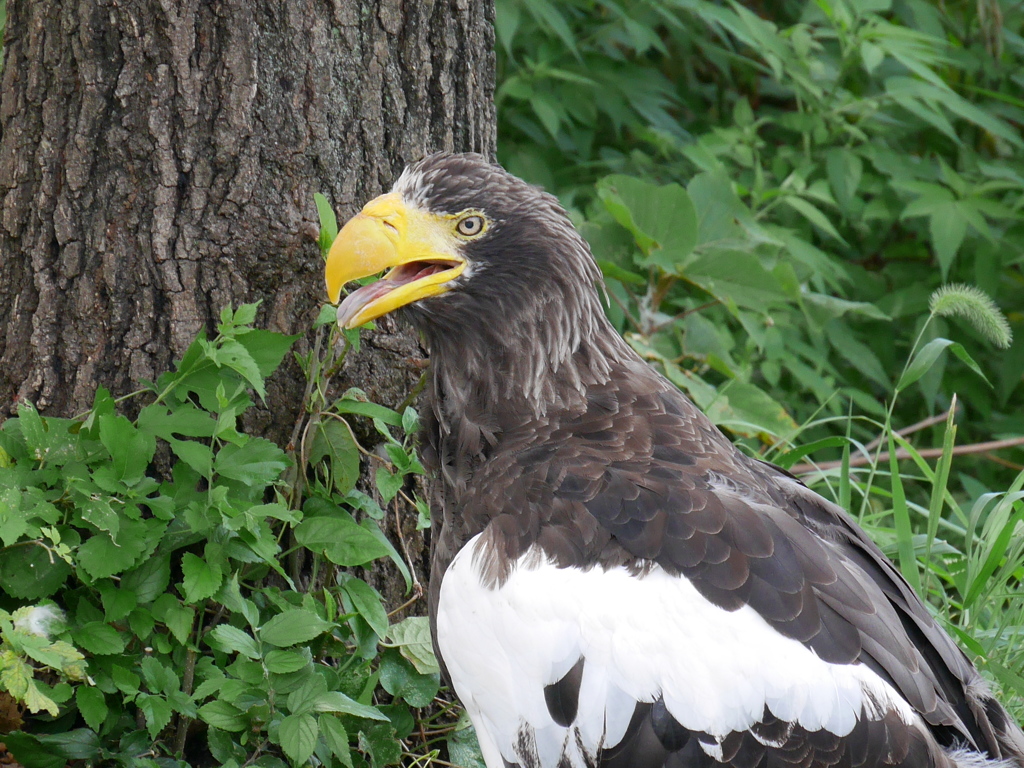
(470, 226)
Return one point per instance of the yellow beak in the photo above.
(420, 248)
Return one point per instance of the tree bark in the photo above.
(158, 160)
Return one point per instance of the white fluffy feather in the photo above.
(642, 637)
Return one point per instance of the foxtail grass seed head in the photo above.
(974, 306)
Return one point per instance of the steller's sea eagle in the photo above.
(614, 583)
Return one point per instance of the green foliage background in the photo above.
(776, 193)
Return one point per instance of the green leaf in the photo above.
(381, 743)
(368, 604)
(130, 450)
(336, 738)
(293, 626)
(157, 711)
(947, 227)
(412, 638)
(30, 572)
(926, 356)
(328, 222)
(98, 638)
(257, 463)
(298, 735)
(201, 579)
(364, 408)
(267, 348)
(333, 440)
(400, 678)
(150, 579)
(463, 747)
(340, 539)
(814, 215)
(662, 219)
(336, 701)
(388, 483)
(92, 705)
(734, 277)
(283, 662)
(225, 716)
(228, 638)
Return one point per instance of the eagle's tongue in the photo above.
(359, 298)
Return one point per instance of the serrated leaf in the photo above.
(412, 638)
(257, 463)
(333, 440)
(340, 539)
(298, 735)
(130, 450)
(150, 579)
(283, 662)
(201, 579)
(336, 701)
(157, 711)
(92, 705)
(98, 638)
(293, 626)
(368, 604)
(336, 738)
(228, 638)
(225, 716)
(30, 572)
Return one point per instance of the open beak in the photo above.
(415, 245)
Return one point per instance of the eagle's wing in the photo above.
(653, 595)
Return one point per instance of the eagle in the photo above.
(613, 583)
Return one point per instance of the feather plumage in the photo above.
(614, 584)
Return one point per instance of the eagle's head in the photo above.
(465, 243)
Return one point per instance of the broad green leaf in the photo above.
(400, 678)
(662, 219)
(157, 711)
(98, 638)
(283, 662)
(150, 579)
(130, 450)
(293, 626)
(228, 638)
(340, 539)
(298, 735)
(412, 638)
(201, 579)
(225, 716)
(336, 737)
(947, 227)
(257, 463)
(92, 705)
(368, 603)
(336, 701)
(30, 572)
(333, 440)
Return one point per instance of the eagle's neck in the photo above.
(490, 381)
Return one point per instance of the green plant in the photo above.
(205, 574)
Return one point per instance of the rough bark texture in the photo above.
(158, 160)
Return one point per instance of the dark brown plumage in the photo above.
(557, 451)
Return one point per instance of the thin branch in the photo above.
(903, 453)
(923, 424)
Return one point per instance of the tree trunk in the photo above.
(158, 160)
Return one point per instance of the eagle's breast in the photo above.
(564, 666)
